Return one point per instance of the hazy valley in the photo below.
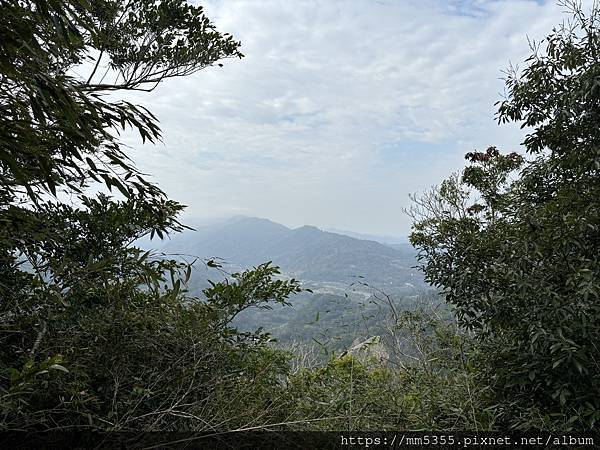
(348, 276)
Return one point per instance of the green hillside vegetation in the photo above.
(99, 334)
(345, 277)
(331, 322)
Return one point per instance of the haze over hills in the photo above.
(306, 253)
(382, 239)
(328, 263)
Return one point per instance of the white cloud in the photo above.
(340, 108)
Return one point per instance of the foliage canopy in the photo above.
(520, 263)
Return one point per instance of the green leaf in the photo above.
(58, 367)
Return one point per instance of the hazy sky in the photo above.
(339, 109)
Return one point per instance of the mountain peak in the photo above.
(307, 252)
(240, 218)
(308, 228)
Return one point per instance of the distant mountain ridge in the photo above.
(306, 253)
(382, 239)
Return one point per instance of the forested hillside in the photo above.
(344, 277)
(98, 333)
(306, 253)
(326, 261)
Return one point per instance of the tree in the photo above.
(514, 243)
(94, 331)
(59, 130)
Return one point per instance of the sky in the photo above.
(340, 108)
